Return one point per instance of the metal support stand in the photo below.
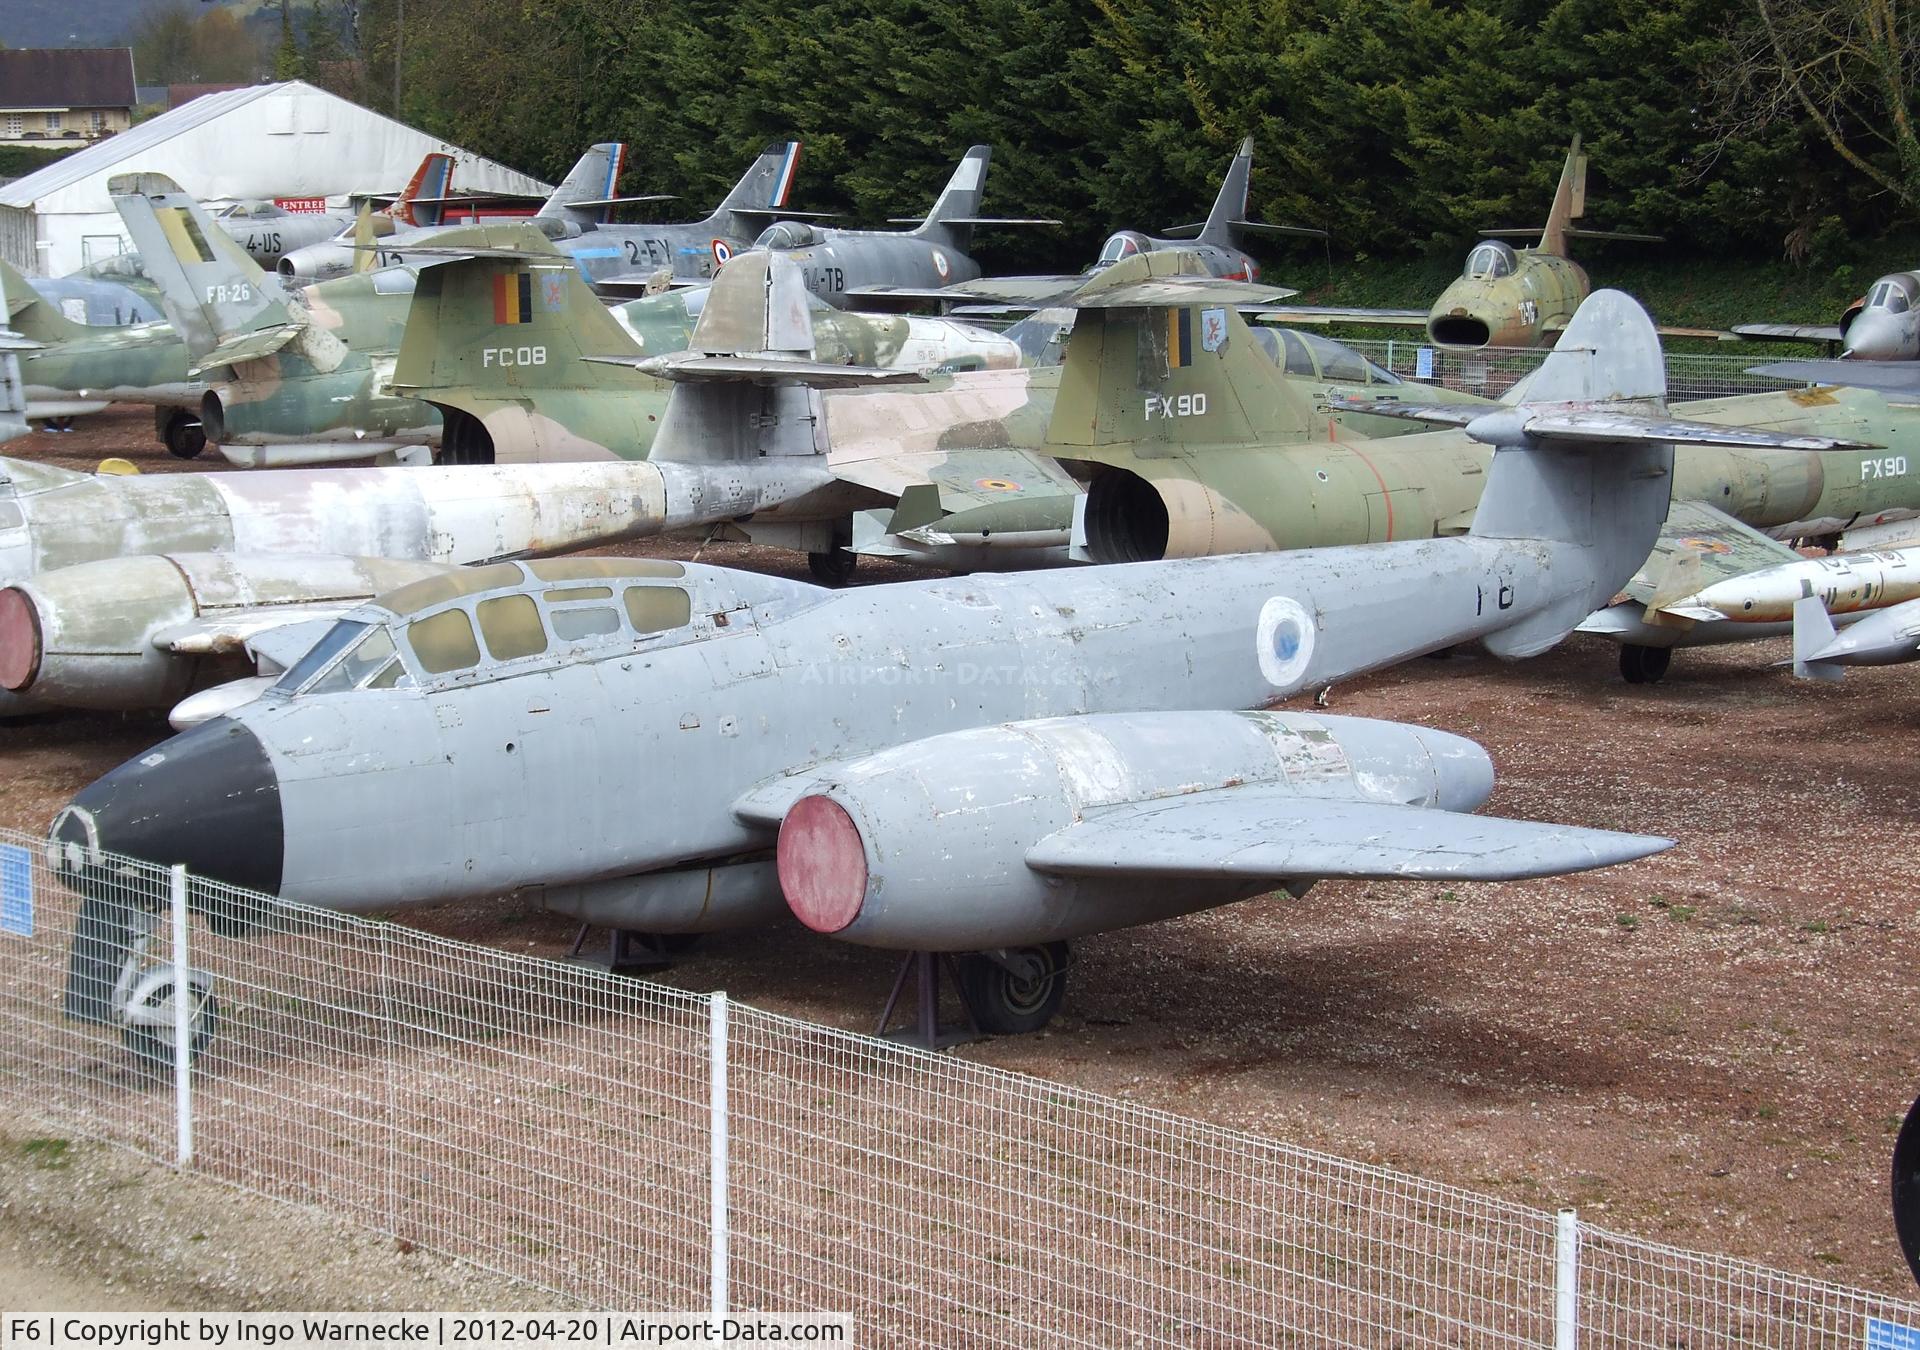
(927, 1033)
(628, 952)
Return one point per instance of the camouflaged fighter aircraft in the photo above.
(1215, 241)
(13, 390)
(1505, 297)
(1057, 753)
(1882, 325)
(237, 563)
(844, 267)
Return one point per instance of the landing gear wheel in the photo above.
(183, 436)
(153, 1045)
(1906, 1188)
(1644, 665)
(1016, 991)
(834, 567)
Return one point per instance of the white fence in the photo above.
(1491, 371)
(636, 1147)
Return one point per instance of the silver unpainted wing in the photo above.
(1571, 422)
(1889, 377)
(1325, 314)
(696, 367)
(1788, 332)
(1252, 832)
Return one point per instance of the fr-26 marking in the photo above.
(1887, 466)
(512, 356)
(238, 293)
(1180, 405)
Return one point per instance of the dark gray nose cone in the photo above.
(207, 798)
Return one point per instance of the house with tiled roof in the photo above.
(57, 96)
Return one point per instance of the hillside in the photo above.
(79, 23)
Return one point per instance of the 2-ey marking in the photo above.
(1181, 405)
(512, 356)
(1887, 466)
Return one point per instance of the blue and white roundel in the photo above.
(1284, 641)
(722, 251)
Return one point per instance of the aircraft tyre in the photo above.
(183, 435)
(153, 1045)
(1906, 1188)
(1644, 665)
(834, 567)
(1014, 992)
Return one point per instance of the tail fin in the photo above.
(214, 294)
(957, 208)
(514, 314)
(1569, 202)
(1813, 632)
(761, 192)
(32, 317)
(585, 196)
(1230, 207)
(424, 199)
(1147, 367)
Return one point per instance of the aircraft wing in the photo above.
(1264, 832)
(639, 284)
(1004, 294)
(965, 478)
(700, 368)
(1889, 377)
(1698, 546)
(1326, 314)
(1664, 330)
(246, 347)
(1788, 332)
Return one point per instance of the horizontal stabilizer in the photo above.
(247, 347)
(1287, 231)
(1258, 832)
(622, 201)
(698, 368)
(1623, 235)
(1788, 332)
(1321, 314)
(1889, 377)
(781, 213)
(977, 220)
(427, 255)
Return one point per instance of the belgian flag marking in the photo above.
(513, 297)
(1179, 338)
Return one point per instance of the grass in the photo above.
(48, 1153)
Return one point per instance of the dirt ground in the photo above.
(1712, 1047)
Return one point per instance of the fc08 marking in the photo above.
(1181, 405)
(1887, 466)
(512, 356)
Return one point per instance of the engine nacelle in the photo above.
(1133, 519)
(923, 846)
(96, 635)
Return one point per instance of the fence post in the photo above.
(182, 1019)
(1566, 1281)
(717, 1107)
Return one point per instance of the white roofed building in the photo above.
(293, 142)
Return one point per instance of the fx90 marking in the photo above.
(1887, 466)
(512, 356)
(1181, 405)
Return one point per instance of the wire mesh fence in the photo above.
(1491, 371)
(565, 1127)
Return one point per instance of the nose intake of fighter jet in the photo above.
(208, 798)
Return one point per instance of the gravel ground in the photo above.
(1710, 1047)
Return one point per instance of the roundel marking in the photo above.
(1706, 545)
(1284, 641)
(722, 252)
(941, 265)
(997, 484)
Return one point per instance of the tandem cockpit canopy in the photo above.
(1124, 244)
(787, 234)
(479, 623)
(1490, 260)
(1896, 294)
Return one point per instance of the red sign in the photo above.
(315, 204)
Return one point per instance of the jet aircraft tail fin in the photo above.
(1230, 206)
(31, 316)
(424, 199)
(223, 306)
(760, 194)
(957, 208)
(585, 197)
(1569, 201)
